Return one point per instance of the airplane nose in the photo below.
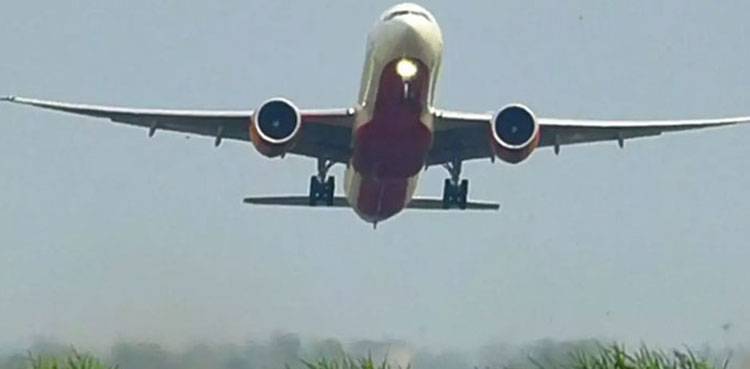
(411, 29)
(408, 36)
(412, 33)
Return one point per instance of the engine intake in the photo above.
(515, 131)
(275, 126)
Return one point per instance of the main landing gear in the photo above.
(322, 187)
(455, 190)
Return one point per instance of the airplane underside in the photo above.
(390, 149)
(389, 152)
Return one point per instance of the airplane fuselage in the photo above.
(393, 128)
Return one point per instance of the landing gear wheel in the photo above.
(330, 189)
(455, 190)
(314, 190)
(322, 192)
(448, 194)
(463, 194)
(322, 187)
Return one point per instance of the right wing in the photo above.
(325, 133)
(556, 132)
(466, 136)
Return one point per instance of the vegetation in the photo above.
(349, 363)
(287, 352)
(611, 357)
(73, 361)
(617, 357)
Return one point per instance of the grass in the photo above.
(606, 357)
(349, 363)
(74, 360)
(617, 357)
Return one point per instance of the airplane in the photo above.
(392, 133)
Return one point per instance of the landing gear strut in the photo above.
(322, 187)
(455, 190)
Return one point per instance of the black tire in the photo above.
(330, 190)
(463, 194)
(314, 190)
(448, 194)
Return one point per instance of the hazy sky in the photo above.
(106, 234)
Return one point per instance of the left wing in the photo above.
(325, 133)
(465, 136)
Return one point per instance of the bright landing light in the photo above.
(406, 68)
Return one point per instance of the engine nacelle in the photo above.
(515, 133)
(275, 126)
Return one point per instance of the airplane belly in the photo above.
(393, 134)
(377, 199)
(389, 153)
(392, 148)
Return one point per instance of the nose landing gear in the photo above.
(455, 190)
(322, 187)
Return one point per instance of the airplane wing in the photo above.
(465, 136)
(325, 133)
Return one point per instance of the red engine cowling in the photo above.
(275, 126)
(515, 133)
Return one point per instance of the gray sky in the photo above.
(105, 234)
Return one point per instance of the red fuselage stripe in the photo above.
(392, 147)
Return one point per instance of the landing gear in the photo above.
(322, 187)
(455, 190)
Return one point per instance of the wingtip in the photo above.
(8, 98)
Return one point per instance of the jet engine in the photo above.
(515, 133)
(275, 126)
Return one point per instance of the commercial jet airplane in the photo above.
(392, 133)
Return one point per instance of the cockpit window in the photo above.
(406, 12)
(396, 14)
